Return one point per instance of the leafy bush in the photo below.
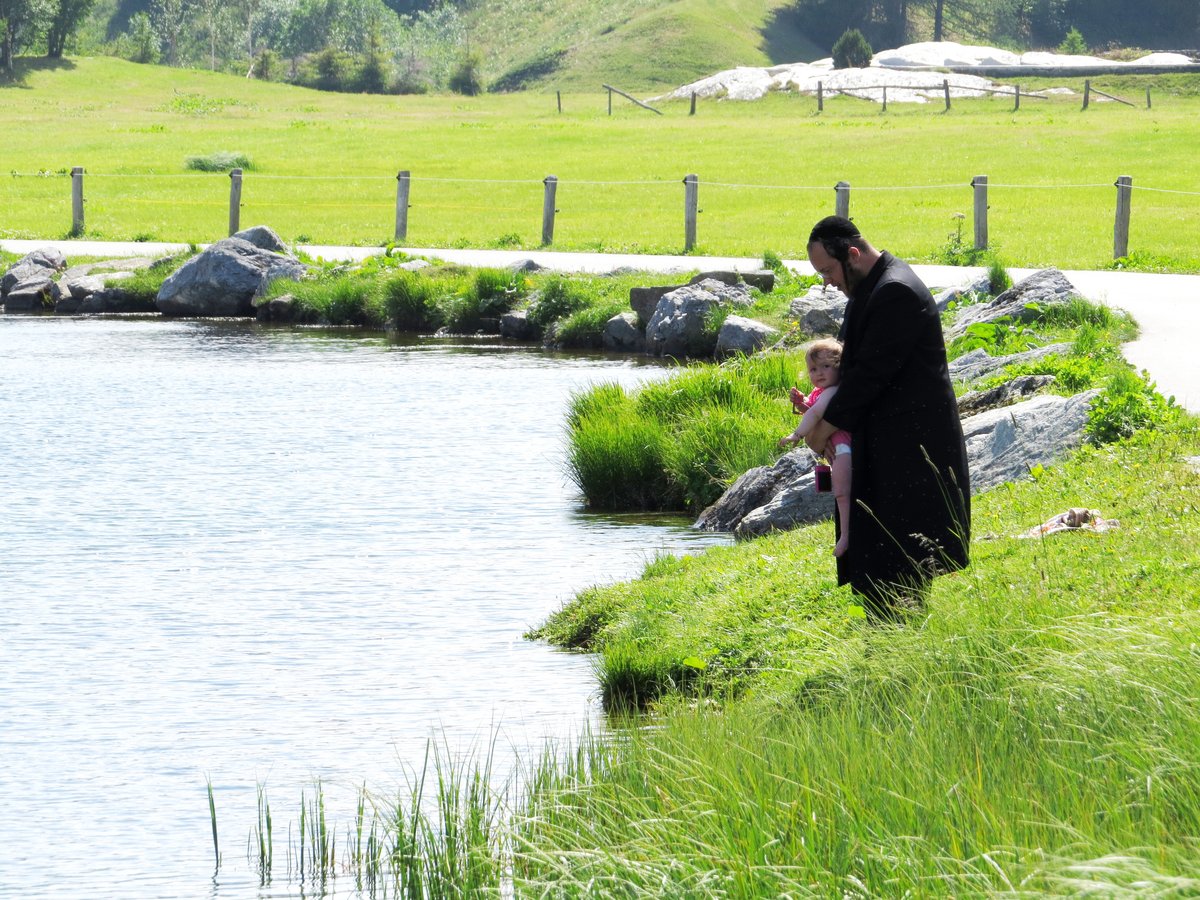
(999, 337)
(1128, 404)
(852, 51)
(221, 161)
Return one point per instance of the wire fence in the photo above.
(367, 196)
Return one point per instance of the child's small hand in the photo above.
(799, 401)
(789, 441)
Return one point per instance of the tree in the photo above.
(851, 51)
(19, 21)
(170, 17)
(67, 15)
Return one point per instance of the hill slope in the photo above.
(635, 44)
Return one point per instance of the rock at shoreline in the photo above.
(679, 324)
(225, 279)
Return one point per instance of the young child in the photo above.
(824, 358)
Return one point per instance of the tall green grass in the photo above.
(679, 443)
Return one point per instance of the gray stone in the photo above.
(644, 300)
(224, 280)
(1004, 444)
(414, 265)
(33, 294)
(43, 263)
(526, 265)
(741, 335)
(263, 238)
(978, 363)
(83, 286)
(1043, 289)
(820, 311)
(754, 489)
(1002, 395)
(799, 503)
(678, 326)
(622, 334)
(516, 326)
(763, 279)
(966, 294)
(277, 309)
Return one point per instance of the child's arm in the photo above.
(811, 417)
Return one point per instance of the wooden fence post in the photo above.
(979, 182)
(1087, 91)
(1124, 186)
(610, 101)
(1147, 98)
(692, 111)
(884, 99)
(841, 203)
(403, 181)
(691, 203)
(1017, 98)
(946, 91)
(559, 93)
(77, 201)
(235, 201)
(548, 210)
(820, 96)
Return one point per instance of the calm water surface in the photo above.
(264, 557)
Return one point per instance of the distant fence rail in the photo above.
(692, 184)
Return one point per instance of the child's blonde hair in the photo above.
(824, 347)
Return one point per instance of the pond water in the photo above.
(265, 557)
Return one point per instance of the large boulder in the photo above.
(1004, 444)
(1041, 290)
(517, 326)
(644, 300)
(819, 312)
(43, 263)
(33, 294)
(225, 279)
(759, 487)
(679, 326)
(741, 335)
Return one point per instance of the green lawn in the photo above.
(324, 167)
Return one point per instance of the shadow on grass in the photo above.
(24, 65)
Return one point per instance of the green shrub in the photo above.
(466, 78)
(852, 50)
(999, 280)
(772, 261)
(336, 300)
(1128, 404)
(221, 161)
(1073, 44)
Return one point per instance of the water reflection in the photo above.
(267, 556)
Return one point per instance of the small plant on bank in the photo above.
(999, 280)
(221, 161)
(466, 78)
(1129, 404)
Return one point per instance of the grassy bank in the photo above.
(1035, 734)
(324, 167)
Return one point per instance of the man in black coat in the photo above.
(910, 508)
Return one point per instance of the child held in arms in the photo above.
(824, 358)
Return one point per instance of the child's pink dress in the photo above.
(841, 437)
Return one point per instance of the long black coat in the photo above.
(910, 497)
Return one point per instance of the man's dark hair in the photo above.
(837, 234)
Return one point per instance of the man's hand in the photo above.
(818, 438)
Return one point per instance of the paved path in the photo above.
(1166, 307)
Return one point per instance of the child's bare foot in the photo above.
(840, 547)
